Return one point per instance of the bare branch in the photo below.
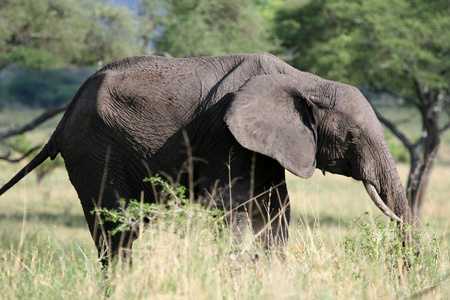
(8, 159)
(444, 128)
(31, 125)
(395, 130)
(400, 95)
(419, 90)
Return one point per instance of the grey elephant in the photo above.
(226, 127)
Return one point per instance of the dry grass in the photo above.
(335, 249)
(49, 253)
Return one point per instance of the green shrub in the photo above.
(175, 211)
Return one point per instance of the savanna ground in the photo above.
(340, 247)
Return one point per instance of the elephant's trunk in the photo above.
(391, 200)
(390, 196)
(394, 191)
(401, 204)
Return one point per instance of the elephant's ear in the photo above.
(270, 115)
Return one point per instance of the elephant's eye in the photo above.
(353, 136)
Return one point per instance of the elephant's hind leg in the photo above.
(109, 242)
(101, 190)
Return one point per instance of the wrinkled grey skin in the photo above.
(241, 117)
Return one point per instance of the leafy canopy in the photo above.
(40, 33)
(186, 28)
(376, 44)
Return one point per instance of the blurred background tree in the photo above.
(38, 34)
(399, 47)
(186, 28)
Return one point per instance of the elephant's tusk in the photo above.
(379, 203)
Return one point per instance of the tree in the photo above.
(40, 33)
(400, 47)
(186, 28)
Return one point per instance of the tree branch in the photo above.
(445, 127)
(31, 125)
(400, 95)
(392, 127)
(418, 87)
(8, 159)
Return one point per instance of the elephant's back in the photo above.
(132, 109)
(149, 64)
(148, 99)
(169, 64)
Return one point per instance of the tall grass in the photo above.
(201, 263)
(340, 247)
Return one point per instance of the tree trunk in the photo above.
(418, 181)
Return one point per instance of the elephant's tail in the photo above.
(45, 153)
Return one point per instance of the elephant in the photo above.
(227, 128)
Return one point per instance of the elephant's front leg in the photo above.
(271, 216)
(264, 219)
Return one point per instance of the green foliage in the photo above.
(380, 243)
(268, 8)
(370, 43)
(207, 27)
(39, 33)
(176, 210)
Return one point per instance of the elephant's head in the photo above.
(305, 122)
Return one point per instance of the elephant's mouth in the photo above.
(371, 190)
